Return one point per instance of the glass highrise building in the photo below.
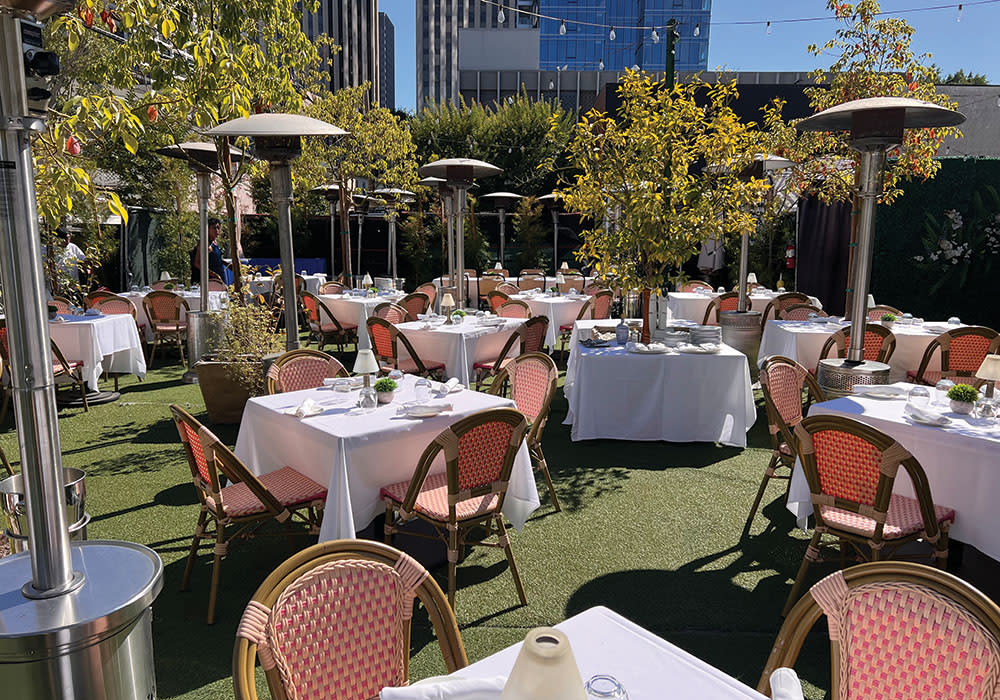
(587, 48)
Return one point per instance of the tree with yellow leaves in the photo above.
(660, 177)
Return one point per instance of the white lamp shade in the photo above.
(545, 669)
(498, 266)
(164, 276)
(447, 300)
(990, 369)
(752, 278)
(871, 300)
(564, 266)
(367, 281)
(366, 363)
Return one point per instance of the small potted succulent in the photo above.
(457, 316)
(553, 291)
(385, 389)
(963, 398)
(888, 320)
(169, 286)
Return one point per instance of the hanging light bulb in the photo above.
(600, 66)
(501, 16)
(958, 17)
(551, 85)
(654, 36)
(611, 35)
(562, 27)
(635, 67)
(697, 30)
(768, 28)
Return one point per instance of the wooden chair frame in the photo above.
(514, 303)
(412, 298)
(388, 307)
(805, 308)
(456, 533)
(875, 547)
(807, 612)
(839, 341)
(179, 334)
(340, 335)
(397, 335)
(213, 522)
(780, 302)
(876, 312)
(780, 430)
(274, 371)
(518, 336)
(943, 343)
(430, 289)
(714, 309)
(66, 369)
(441, 615)
(534, 438)
(496, 299)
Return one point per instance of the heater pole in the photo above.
(204, 192)
(503, 231)
(281, 189)
(744, 265)
(872, 163)
(460, 245)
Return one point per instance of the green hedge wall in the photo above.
(899, 281)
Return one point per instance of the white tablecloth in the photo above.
(618, 395)
(352, 309)
(802, 341)
(961, 462)
(648, 667)
(561, 311)
(692, 307)
(193, 299)
(102, 343)
(356, 455)
(459, 346)
(262, 284)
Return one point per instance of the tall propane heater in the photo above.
(74, 618)
(278, 140)
(332, 195)
(204, 160)
(876, 124)
(459, 174)
(503, 201)
(551, 202)
(395, 198)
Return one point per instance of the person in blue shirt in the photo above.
(216, 266)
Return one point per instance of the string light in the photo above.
(600, 66)
(612, 35)
(654, 36)
(562, 27)
(697, 30)
(501, 16)
(958, 17)
(768, 28)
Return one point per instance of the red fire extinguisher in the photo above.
(790, 256)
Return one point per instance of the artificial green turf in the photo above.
(652, 530)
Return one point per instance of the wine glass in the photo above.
(920, 396)
(605, 686)
(422, 390)
(941, 388)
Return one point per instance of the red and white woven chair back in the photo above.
(784, 383)
(847, 465)
(601, 308)
(497, 299)
(161, 284)
(392, 313)
(508, 288)
(62, 305)
(514, 309)
(694, 285)
(196, 451)
(729, 303)
(899, 639)
(331, 288)
(383, 340)
(873, 345)
(165, 307)
(216, 286)
(533, 334)
(415, 304)
(481, 453)
(116, 306)
(800, 312)
(967, 352)
(311, 307)
(303, 372)
(339, 630)
(531, 381)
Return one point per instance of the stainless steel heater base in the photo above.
(741, 330)
(838, 377)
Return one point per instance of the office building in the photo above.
(386, 62)
(353, 25)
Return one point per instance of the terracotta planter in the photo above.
(224, 398)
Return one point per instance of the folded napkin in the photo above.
(449, 688)
(785, 685)
(424, 409)
(926, 415)
(882, 389)
(306, 408)
(450, 386)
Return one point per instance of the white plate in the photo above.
(698, 350)
(879, 393)
(933, 424)
(421, 411)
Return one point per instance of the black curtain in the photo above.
(822, 255)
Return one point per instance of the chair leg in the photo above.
(768, 473)
(152, 350)
(83, 394)
(193, 554)
(505, 543)
(452, 563)
(220, 551)
(538, 457)
(387, 528)
(811, 553)
(940, 549)
(180, 349)
(6, 405)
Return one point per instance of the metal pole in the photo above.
(503, 231)
(449, 223)
(460, 244)
(333, 238)
(32, 383)
(361, 228)
(872, 163)
(204, 192)
(555, 242)
(391, 262)
(281, 193)
(744, 262)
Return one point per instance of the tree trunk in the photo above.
(646, 332)
(234, 240)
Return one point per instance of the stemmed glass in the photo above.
(604, 686)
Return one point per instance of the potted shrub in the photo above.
(239, 369)
(888, 320)
(385, 389)
(963, 398)
(457, 316)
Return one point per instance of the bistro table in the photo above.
(349, 308)
(104, 343)
(560, 310)
(803, 341)
(262, 284)
(618, 395)
(691, 306)
(648, 667)
(960, 461)
(459, 346)
(216, 300)
(355, 454)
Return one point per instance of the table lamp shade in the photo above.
(367, 281)
(498, 266)
(564, 266)
(752, 278)
(447, 300)
(545, 669)
(366, 363)
(990, 369)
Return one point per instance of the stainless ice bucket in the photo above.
(14, 505)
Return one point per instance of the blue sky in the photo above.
(969, 44)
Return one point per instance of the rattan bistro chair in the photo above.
(875, 313)
(479, 452)
(879, 343)
(385, 338)
(897, 630)
(508, 288)
(93, 297)
(782, 302)
(800, 312)
(596, 307)
(393, 313)
(531, 338)
(851, 468)
(236, 511)
(532, 379)
(415, 303)
(302, 369)
(324, 326)
(515, 308)
(729, 301)
(163, 309)
(430, 290)
(61, 369)
(333, 621)
(788, 390)
(962, 351)
(62, 304)
(496, 299)
(694, 285)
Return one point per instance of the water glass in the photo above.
(422, 390)
(954, 321)
(942, 388)
(920, 396)
(396, 375)
(604, 686)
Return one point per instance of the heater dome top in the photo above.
(459, 168)
(918, 114)
(198, 153)
(278, 125)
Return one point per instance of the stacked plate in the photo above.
(674, 338)
(701, 335)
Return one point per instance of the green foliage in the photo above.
(891, 318)
(249, 336)
(385, 385)
(963, 393)
(179, 234)
(960, 77)
(477, 247)
(530, 236)
(420, 256)
(459, 312)
(767, 250)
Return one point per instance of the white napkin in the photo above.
(785, 685)
(306, 408)
(657, 347)
(883, 389)
(424, 409)
(925, 414)
(449, 688)
(450, 386)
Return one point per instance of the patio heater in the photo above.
(876, 124)
(394, 197)
(458, 174)
(332, 195)
(204, 160)
(278, 140)
(741, 328)
(551, 202)
(503, 202)
(74, 617)
(361, 204)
